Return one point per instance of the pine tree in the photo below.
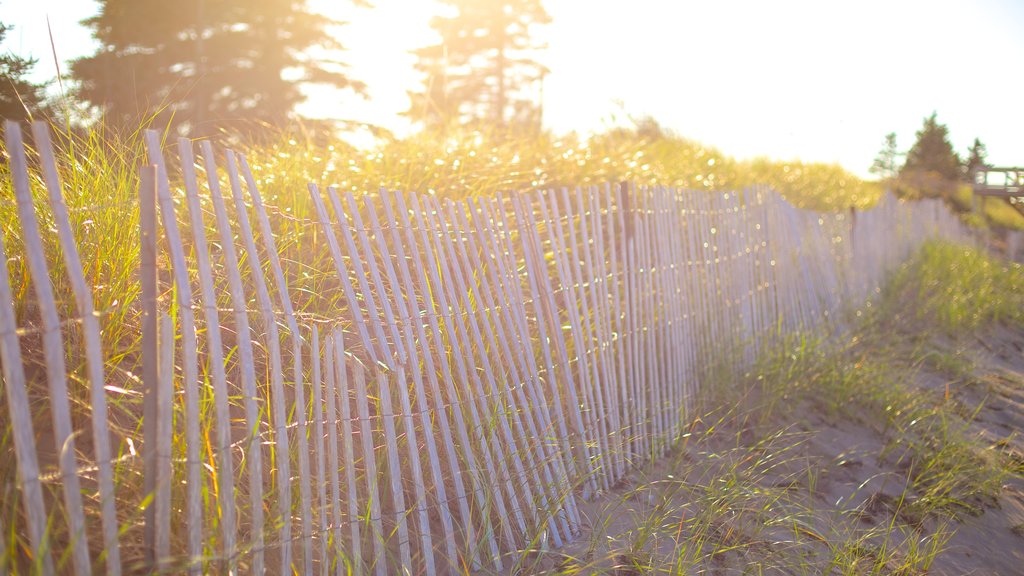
(205, 63)
(975, 159)
(885, 164)
(932, 152)
(483, 70)
(19, 98)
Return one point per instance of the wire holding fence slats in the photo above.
(460, 375)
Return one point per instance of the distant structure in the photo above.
(1002, 183)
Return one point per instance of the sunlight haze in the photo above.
(793, 79)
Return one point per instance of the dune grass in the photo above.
(100, 175)
(749, 488)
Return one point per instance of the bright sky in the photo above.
(814, 80)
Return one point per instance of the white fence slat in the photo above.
(190, 358)
(604, 256)
(583, 465)
(93, 346)
(539, 417)
(545, 336)
(342, 271)
(435, 309)
(22, 430)
(164, 438)
(347, 425)
(421, 505)
(589, 249)
(387, 416)
(333, 471)
(366, 434)
(285, 301)
(279, 408)
(424, 408)
(498, 383)
(376, 320)
(53, 350)
(215, 351)
(454, 322)
(250, 397)
(378, 284)
(460, 295)
(316, 384)
(587, 464)
(570, 283)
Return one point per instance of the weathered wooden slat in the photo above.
(439, 409)
(462, 399)
(215, 352)
(387, 416)
(378, 284)
(407, 308)
(531, 252)
(279, 408)
(597, 434)
(491, 411)
(366, 434)
(590, 249)
(53, 351)
(376, 321)
(333, 471)
(584, 466)
(510, 285)
(285, 301)
(246, 363)
(316, 384)
(189, 346)
(347, 425)
(22, 430)
(93, 346)
(342, 271)
(164, 437)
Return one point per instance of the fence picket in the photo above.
(339, 378)
(342, 271)
(190, 358)
(334, 467)
(279, 407)
(285, 301)
(429, 368)
(21, 422)
(407, 307)
(215, 350)
(93, 346)
(387, 416)
(461, 350)
(250, 397)
(164, 437)
(316, 384)
(53, 350)
(510, 285)
(493, 442)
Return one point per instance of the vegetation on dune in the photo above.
(830, 456)
(932, 169)
(471, 163)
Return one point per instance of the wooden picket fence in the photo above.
(453, 382)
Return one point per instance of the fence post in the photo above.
(147, 272)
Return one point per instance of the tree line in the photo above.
(200, 65)
(931, 166)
